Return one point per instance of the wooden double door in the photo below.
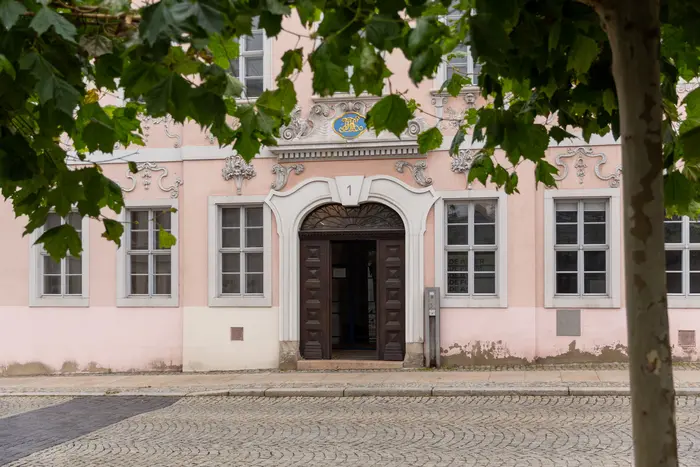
(316, 281)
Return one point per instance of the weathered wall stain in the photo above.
(94, 367)
(70, 366)
(25, 369)
(160, 365)
(37, 368)
(496, 353)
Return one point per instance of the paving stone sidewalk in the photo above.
(551, 381)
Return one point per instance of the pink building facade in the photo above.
(322, 248)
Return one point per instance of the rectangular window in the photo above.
(682, 237)
(581, 246)
(249, 66)
(62, 278)
(148, 263)
(471, 247)
(240, 251)
(460, 60)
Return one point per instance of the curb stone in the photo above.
(363, 391)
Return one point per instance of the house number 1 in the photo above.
(349, 190)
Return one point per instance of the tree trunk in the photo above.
(633, 27)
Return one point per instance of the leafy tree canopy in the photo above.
(540, 58)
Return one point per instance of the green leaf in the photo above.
(59, 240)
(384, 31)
(48, 18)
(96, 45)
(223, 50)
(291, 60)
(582, 54)
(692, 104)
(133, 168)
(277, 7)
(158, 20)
(609, 100)
(113, 231)
(429, 140)
(690, 141)
(455, 84)
(554, 33)
(544, 173)
(10, 11)
(678, 190)
(559, 134)
(234, 88)
(165, 238)
(6, 67)
(247, 146)
(390, 113)
(271, 23)
(329, 76)
(499, 176)
(457, 141)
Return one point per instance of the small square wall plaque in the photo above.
(568, 322)
(236, 334)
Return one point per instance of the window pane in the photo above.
(695, 260)
(254, 237)
(139, 264)
(457, 213)
(75, 220)
(52, 285)
(694, 283)
(74, 265)
(674, 260)
(567, 216)
(231, 238)
(594, 216)
(672, 232)
(253, 87)
(566, 206)
(594, 261)
(594, 283)
(567, 261)
(254, 283)
(231, 283)
(674, 282)
(457, 235)
(484, 234)
(457, 283)
(52, 220)
(254, 262)
(74, 284)
(484, 213)
(594, 234)
(485, 283)
(595, 206)
(230, 217)
(162, 264)
(162, 219)
(139, 220)
(230, 262)
(139, 240)
(567, 234)
(51, 266)
(163, 284)
(457, 261)
(253, 67)
(254, 217)
(139, 285)
(484, 261)
(254, 42)
(694, 232)
(567, 283)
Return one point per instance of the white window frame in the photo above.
(500, 299)
(214, 235)
(267, 64)
(36, 298)
(686, 299)
(123, 297)
(441, 74)
(614, 215)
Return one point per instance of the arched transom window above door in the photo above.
(368, 216)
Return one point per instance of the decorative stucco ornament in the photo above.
(282, 174)
(462, 163)
(417, 170)
(580, 155)
(238, 169)
(146, 170)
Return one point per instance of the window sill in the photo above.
(683, 302)
(447, 301)
(147, 302)
(472, 88)
(582, 302)
(240, 302)
(59, 302)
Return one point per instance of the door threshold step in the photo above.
(348, 365)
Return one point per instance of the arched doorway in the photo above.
(352, 283)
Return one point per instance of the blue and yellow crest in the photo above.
(350, 125)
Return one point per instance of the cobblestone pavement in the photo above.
(436, 432)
